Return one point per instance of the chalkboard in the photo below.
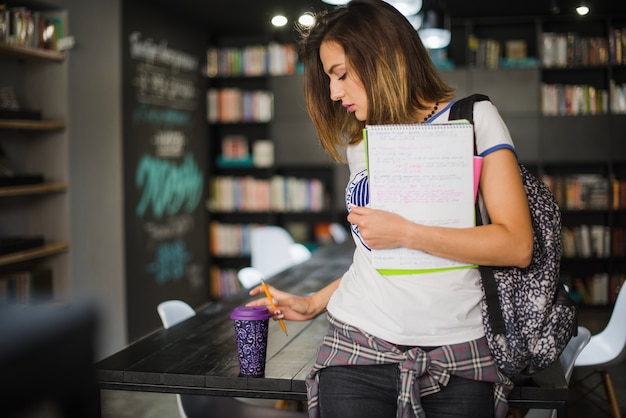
(165, 163)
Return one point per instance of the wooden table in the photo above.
(199, 356)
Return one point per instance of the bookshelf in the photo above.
(34, 214)
(251, 182)
(563, 103)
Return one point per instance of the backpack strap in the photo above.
(464, 109)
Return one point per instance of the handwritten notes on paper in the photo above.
(425, 173)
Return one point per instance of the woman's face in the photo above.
(345, 85)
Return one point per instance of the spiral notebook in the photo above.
(425, 173)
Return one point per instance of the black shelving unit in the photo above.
(559, 145)
(242, 199)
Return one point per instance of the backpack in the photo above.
(527, 313)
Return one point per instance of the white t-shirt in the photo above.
(429, 309)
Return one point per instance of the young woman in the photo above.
(402, 345)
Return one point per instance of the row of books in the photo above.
(484, 53)
(252, 60)
(618, 97)
(619, 241)
(278, 194)
(586, 241)
(230, 240)
(619, 193)
(231, 105)
(573, 99)
(596, 289)
(28, 286)
(236, 152)
(572, 50)
(580, 191)
(224, 282)
(490, 54)
(25, 28)
(617, 46)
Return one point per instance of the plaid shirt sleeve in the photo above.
(422, 373)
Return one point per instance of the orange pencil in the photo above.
(271, 300)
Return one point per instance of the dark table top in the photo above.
(199, 356)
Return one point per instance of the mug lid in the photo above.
(250, 313)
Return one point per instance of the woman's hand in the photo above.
(379, 229)
(292, 307)
(288, 306)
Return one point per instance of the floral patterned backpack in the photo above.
(528, 315)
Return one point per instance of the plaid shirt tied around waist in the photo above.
(422, 373)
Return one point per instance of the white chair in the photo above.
(173, 312)
(338, 232)
(249, 277)
(270, 249)
(567, 360)
(299, 253)
(605, 349)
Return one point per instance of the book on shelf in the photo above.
(581, 191)
(515, 49)
(593, 290)
(570, 99)
(25, 28)
(251, 60)
(616, 283)
(425, 173)
(224, 282)
(586, 241)
(233, 105)
(323, 234)
(570, 49)
(299, 231)
(278, 194)
(618, 194)
(26, 286)
(235, 152)
(618, 241)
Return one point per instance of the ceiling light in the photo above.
(336, 2)
(435, 31)
(279, 21)
(582, 10)
(415, 21)
(306, 19)
(406, 7)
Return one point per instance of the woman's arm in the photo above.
(296, 308)
(506, 241)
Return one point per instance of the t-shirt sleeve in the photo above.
(492, 134)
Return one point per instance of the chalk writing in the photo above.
(149, 51)
(173, 227)
(170, 261)
(168, 188)
(151, 115)
(156, 86)
(169, 143)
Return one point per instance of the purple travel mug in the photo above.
(251, 327)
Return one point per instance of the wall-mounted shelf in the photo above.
(36, 149)
(32, 125)
(31, 53)
(34, 253)
(33, 189)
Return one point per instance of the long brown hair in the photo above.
(387, 55)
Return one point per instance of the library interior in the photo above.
(143, 144)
